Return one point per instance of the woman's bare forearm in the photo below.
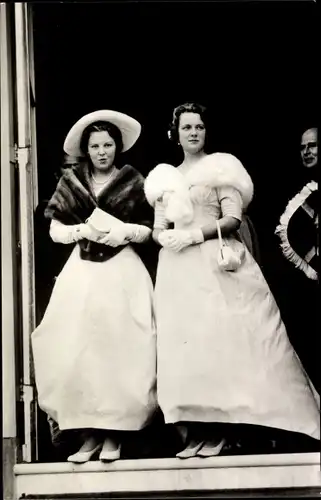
(228, 225)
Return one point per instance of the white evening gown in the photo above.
(95, 348)
(223, 351)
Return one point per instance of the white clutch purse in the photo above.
(228, 259)
(103, 222)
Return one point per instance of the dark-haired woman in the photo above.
(223, 355)
(94, 350)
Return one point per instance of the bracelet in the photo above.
(76, 236)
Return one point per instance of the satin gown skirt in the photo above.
(223, 351)
(95, 349)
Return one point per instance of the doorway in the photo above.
(243, 61)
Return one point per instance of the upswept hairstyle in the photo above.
(188, 107)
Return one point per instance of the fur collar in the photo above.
(215, 170)
(222, 169)
(74, 201)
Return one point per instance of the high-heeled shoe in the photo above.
(191, 449)
(211, 448)
(83, 456)
(107, 454)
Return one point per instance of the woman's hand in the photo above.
(115, 237)
(178, 239)
(84, 231)
(175, 239)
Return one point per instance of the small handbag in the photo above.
(227, 258)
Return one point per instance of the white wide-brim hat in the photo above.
(130, 129)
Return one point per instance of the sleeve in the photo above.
(61, 233)
(231, 202)
(160, 221)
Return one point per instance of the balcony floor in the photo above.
(150, 478)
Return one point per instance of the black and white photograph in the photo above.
(160, 250)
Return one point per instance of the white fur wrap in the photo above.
(215, 170)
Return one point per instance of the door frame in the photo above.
(28, 192)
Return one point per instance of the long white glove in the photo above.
(127, 233)
(178, 239)
(115, 237)
(137, 233)
(62, 233)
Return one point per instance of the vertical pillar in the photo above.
(8, 254)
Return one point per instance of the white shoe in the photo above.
(211, 448)
(83, 456)
(108, 455)
(191, 450)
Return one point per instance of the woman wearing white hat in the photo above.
(94, 351)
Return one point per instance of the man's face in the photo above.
(309, 148)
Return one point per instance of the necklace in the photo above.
(103, 182)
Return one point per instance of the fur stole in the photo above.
(74, 201)
(214, 171)
(298, 229)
